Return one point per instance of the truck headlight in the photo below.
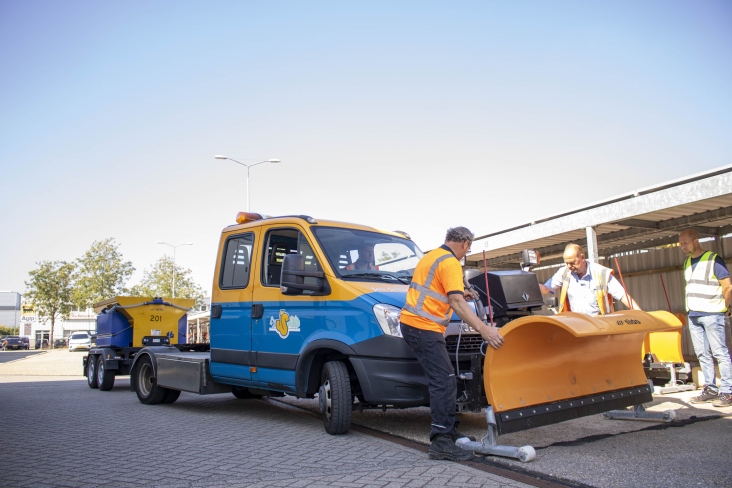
(388, 318)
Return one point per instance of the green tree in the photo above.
(50, 291)
(158, 282)
(101, 273)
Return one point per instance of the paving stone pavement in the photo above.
(73, 436)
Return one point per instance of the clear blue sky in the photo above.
(401, 115)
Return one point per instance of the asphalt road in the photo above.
(6, 356)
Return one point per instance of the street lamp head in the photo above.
(274, 160)
(160, 242)
(219, 156)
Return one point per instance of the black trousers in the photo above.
(431, 352)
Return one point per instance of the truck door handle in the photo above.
(257, 310)
(216, 311)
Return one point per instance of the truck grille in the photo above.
(468, 343)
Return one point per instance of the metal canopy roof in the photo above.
(642, 219)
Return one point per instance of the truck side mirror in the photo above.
(292, 277)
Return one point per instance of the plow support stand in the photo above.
(488, 445)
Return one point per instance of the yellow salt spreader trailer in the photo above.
(125, 325)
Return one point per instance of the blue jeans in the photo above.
(708, 337)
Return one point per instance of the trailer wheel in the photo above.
(91, 371)
(171, 396)
(146, 386)
(335, 398)
(243, 393)
(105, 378)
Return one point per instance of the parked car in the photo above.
(45, 344)
(80, 341)
(15, 342)
(58, 343)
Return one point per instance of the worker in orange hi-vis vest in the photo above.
(436, 290)
(586, 287)
(365, 259)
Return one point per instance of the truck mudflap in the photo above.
(556, 368)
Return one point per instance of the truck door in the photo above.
(231, 333)
(287, 321)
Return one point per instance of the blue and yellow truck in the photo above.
(310, 308)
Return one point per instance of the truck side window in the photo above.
(281, 242)
(237, 261)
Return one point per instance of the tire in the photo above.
(91, 372)
(336, 401)
(243, 393)
(105, 378)
(146, 386)
(171, 396)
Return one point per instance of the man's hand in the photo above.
(469, 296)
(461, 307)
(492, 336)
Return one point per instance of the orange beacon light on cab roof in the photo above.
(244, 217)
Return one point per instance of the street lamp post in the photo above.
(248, 166)
(174, 248)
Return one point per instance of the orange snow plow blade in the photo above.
(665, 345)
(556, 368)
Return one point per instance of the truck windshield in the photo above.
(362, 255)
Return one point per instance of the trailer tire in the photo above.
(171, 396)
(334, 396)
(146, 386)
(91, 371)
(105, 378)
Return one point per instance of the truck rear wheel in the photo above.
(335, 398)
(146, 386)
(105, 378)
(91, 371)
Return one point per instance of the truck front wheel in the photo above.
(105, 378)
(335, 398)
(146, 386)
(91, 371)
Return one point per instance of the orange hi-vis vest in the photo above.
(352, 266)
(600, 276)
(428, 307)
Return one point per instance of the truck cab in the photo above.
(301, 307)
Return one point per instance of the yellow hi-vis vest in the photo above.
(703, 289)
(600, 276)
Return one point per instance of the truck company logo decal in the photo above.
(287, 323)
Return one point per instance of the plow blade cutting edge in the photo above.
(556, 368)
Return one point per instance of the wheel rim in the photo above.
(328, 401)
(100, 372)
(146, 379)
(90, 370)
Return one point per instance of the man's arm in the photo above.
(554, 283)
(635, 304)
(726, 292)
(616, 290)
(466, 314)
(544, 289)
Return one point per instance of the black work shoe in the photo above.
(443, 447)
(707, 395)
(456, 434)
(723, 400)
